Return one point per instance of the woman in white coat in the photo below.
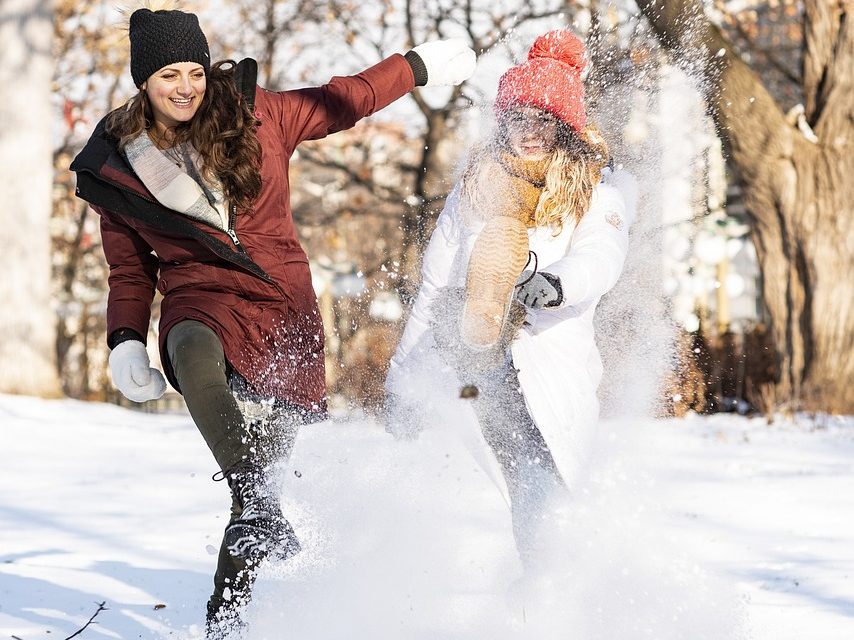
(538, 208)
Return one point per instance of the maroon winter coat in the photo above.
(265, 313)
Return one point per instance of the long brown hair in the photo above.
(222, 132)
(574, 170)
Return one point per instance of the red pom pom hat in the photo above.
(550, 79)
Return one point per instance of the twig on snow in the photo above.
(100, 608)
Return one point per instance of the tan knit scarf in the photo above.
(521, 184)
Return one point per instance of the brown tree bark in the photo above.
(798, 189)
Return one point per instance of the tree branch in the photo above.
(503, 29)
(767, 54)
(410, 31)
(821, 28)
(828, 84)
(100, 608)
(381, 192)
(746, 114)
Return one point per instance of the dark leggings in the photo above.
(526, 462)
(214, 396)
(198, 360)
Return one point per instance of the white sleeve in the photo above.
(599, 243)
(436, 268)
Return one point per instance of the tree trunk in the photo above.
(27, 323)
(801, 205)
(798, 191)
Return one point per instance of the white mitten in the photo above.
(132, 373)
(446, 61)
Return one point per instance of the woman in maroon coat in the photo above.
(190, 179)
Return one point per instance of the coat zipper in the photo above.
(232, 218)
(232, 233)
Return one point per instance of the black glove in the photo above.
(539, 290)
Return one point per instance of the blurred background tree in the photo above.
(27, 320)
(89, 80)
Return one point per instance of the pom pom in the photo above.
(560, 45)
(127, 9)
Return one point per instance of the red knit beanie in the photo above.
(550, 79)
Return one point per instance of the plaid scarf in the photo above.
(174, 179)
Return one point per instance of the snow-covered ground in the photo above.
(718, 527)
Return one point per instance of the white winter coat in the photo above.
(555, 353)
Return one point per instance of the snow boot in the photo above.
(223, 623)
(260, 531)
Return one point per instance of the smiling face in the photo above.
(175, 93)
(531, 132)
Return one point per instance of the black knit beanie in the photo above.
(160, 38)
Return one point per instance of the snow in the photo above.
(704, 527)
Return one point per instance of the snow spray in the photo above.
(414, 539)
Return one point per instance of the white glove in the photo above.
(132, 373)
(447, 61)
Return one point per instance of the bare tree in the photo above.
(267, 26)
(27, 324)
(90, 78)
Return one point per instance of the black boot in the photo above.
(223, 620)
(233, 582)
(261, 530)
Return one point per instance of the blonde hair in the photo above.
(573, 173)
(574, 170)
